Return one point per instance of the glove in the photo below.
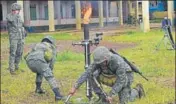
(72, 91)
(109, 99)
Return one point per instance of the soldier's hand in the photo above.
(109, 99)
(72, 91)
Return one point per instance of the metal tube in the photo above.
(86, 31)
(87, 58)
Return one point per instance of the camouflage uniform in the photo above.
(41, 61)
(117, 67)
(17, 35)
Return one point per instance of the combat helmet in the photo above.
(16, 6)
(101, 54)
(49, 39)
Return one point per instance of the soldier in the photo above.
(41, 61)
(17, 35)
(111, 70)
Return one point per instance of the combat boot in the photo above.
(140, 90)
(58, 96)
(13, 72)
(38, 88)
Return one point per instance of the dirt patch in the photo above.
(34, 98)
(67, 45)
(169, 82)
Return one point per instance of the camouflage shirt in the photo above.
(116, 66)
(38, 52)
(15, 26)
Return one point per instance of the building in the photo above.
(36, 13)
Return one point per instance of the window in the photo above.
(94, 8)
(1, 15)
(46, 12)
(154, 3)
(73, 11)
(33, 12)
(133, 5)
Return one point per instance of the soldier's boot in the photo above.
(140, 89)
(13, 72)
(58, 96)
(38, 88)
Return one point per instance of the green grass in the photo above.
(157, 66)
(36, 37)
(69, 56)
(58, 36)
(154, 64)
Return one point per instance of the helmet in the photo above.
(16, 6)
(49, 39)
(101, 54)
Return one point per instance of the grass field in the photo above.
(158, 66)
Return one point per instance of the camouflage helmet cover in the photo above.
(101, 54)
(16, 6)
(49, 38)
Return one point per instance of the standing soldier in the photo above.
(110, 69)
(17, 35)
(41, 61)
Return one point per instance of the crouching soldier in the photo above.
(41, 61)
(110, 69)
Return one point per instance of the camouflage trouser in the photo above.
(16, 51)
(42, 69)
(125, 95)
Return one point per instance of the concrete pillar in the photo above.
(78, 14)
(58, 10)
(21, 2)
(129, 7)
(107, 11)
(120, 12)
(170, 10)
(51, 15)
(145, 16)
(4, 10)
(136, 12)
(27, 13)
(100, 12)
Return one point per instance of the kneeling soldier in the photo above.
(41, 61)
(110, 69)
